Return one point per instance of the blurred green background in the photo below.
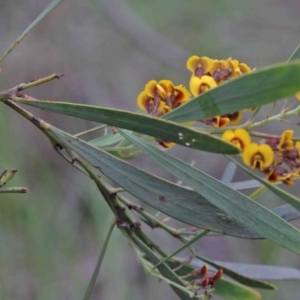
(50, 238)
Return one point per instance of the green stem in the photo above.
(90, 130)
(258, 192)
(90, 288)
(277, 117)
(254, 114)
(153, 222)
(191, 241)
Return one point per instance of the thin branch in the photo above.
(14, 190)
(23, 86)
(191, 241)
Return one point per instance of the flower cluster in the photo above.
(207, 73)
(158, 98)
(278, 158)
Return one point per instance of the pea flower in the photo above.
(286, 142)
(258, 156)
(201, 85)
(200, 66)
(239, 137)
(159, 98)
(278, 174)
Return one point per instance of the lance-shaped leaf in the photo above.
(258, 272)
(291, 199)
(106, 140)
(243, 279)
(252, 90)
(180, 203)
(155, 127)
(231, 290)
(233, 203)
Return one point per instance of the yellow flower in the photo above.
(200, 65)
(235, 118)
(201, 85)
(160, 97)
(165, 144)
(280, 174)
(286, 142)
(220, 70)
(239, 137)
(237, 69)
(297, 146)
(258, 156)
(219, 121)
(298, 96)
(151, 105)
(245, 68)
(174, 96)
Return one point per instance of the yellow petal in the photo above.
(235, 118)
(195, 83)
(286, 142)
(168, 87)
(249, 152)
(150, 88)
(206, 64)
(182, 95)
(267, 153)
(193, 63)
(143, 101)
(298, 96)
(228, 135)
(220, 122)
(240, 138)
(243, 135)
(244, 68)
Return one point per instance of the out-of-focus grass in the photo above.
(50, 237)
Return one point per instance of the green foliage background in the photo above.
(50, 237)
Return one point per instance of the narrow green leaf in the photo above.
(258, 272)
(291, 199)
(180, 203)
(40, 17)
(126, 154)
(230, 290)
(252, 90)
(106, 140)
(155, 127)
(231, 202)
(163, 269)
(238, 277)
